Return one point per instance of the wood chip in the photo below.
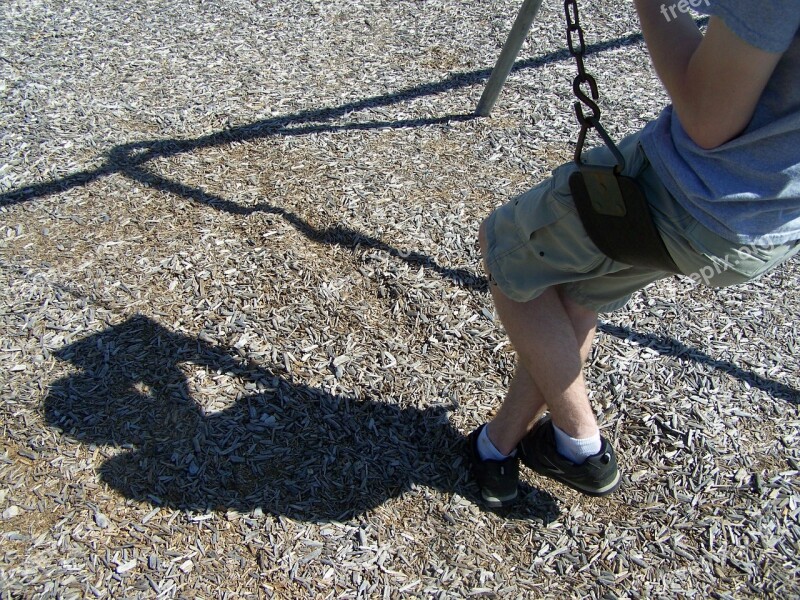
(244, 328)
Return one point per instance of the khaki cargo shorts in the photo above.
(537, 241)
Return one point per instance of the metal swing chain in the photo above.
(577, 48)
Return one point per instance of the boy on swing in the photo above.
(720, 169)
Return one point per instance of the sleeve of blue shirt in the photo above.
(748, 189)
(769, 25)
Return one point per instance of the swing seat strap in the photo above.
(612, 206)
(617, 218)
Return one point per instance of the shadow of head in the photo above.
(284, 447)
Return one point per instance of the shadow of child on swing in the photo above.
(282, 446)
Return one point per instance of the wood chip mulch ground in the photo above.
(244, 329)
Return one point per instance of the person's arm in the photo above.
(714, 81)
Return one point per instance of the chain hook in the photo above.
(578, 51)
(584, 99)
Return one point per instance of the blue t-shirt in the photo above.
(748, 189)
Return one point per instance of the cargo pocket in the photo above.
(553, 230)
(536, 209)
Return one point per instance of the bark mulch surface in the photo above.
(244, 329)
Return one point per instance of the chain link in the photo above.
(577, 48)
(573, 27)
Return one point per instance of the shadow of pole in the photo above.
(128, 159)
(338, 235)
(667, 346)
(129, 156)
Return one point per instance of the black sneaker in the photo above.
(597, 476)
(497, 479)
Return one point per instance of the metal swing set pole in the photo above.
(507, 56)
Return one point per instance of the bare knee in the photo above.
(582, 317)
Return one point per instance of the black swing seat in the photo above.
(617, 218)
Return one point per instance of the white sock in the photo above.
(487, 450)
(576, 450)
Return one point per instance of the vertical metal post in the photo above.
(507, 56)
